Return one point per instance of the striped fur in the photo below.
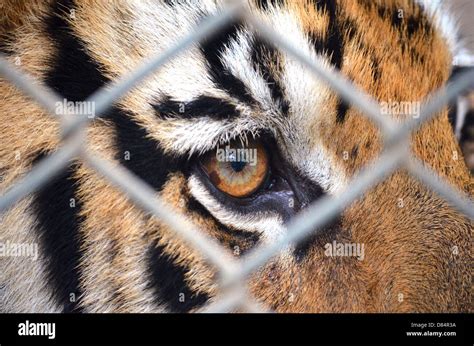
(100, 253)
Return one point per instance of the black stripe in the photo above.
(395, 19)
(415, 55)
(422, 22)
(306, 192)
(168, 281)
(264, 54)
(4, 45)
(60, 239)
(265, 4)
(172, 3)
(413, 23)
(413, 18)
(212, 49)
(376, 69)
(140, 154)
(148, 161)
(333, 46)
(351, 30)
(75, 76)
(354, 151)
(244, 239)
(341, 111)
(334, 42)
(203, 106)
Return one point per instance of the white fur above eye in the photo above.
(196, 136)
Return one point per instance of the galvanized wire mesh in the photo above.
(234, 294)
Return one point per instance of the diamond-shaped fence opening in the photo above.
(233, 295)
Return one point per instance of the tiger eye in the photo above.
(237, 169)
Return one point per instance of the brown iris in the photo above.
(237, 168)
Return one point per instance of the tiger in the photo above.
(238, 136)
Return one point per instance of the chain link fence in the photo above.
(232, 272)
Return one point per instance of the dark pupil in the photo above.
(238, 165)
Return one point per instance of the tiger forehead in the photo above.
(323, 27)
(236, 82)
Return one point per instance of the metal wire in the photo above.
(429, 178)
(335, 80)
(233, 273)
(105, 97)
(44, 171)
(42, 95)
(144, 196)
(314, 217)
